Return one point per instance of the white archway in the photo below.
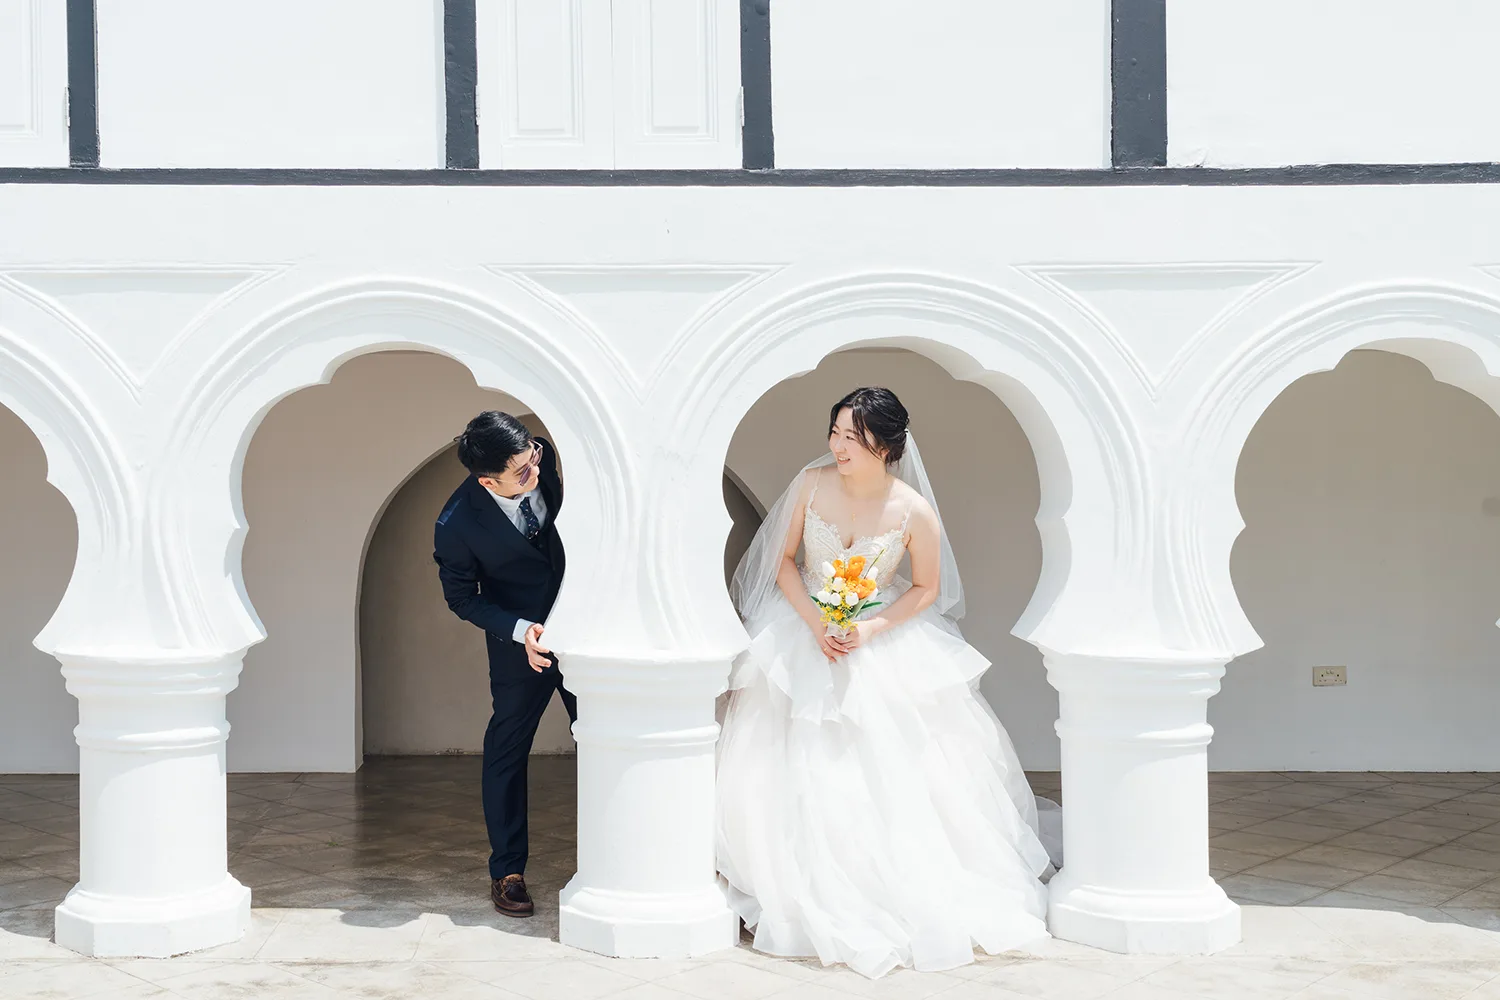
(87, 467)
(1454, 331)
(157, 813)
(1136, 879)
(302, 345)
(1093, 503)
(320, 472)
(985, 478)
(39, 535)
(1370, 545)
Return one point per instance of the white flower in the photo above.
(873, 593)
(851, 598)
(826, 569)
(824, 597)
(837, 586)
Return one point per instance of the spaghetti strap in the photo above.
(906, 518)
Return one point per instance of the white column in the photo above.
(153, 876)
(646, 885)
(1135, 806)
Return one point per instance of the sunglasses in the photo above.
(523, 472)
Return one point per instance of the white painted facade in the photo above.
(655, 83)
(1331, 81)
(1125, 356)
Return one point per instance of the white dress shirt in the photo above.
(511, 508)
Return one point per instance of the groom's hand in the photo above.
(537, 654)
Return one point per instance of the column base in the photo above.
(1194, 922)
(646, 925)
(115, 927)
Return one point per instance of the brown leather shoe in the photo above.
(510, 896)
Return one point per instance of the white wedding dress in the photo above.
(871, 811)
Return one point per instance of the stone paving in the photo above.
(372, 885)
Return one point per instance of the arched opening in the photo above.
(985, 475)
(367, 702)
(1371, 559)
(746, 513)
(38, 755)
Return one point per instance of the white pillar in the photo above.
(1135, 806)
(153, 876)
(646, 885)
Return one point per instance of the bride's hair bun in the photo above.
(878, 416)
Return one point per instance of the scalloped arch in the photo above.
(196, 517)
(83, 462)
(1093, 512)
(1453, 330)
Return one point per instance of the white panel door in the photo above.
(544, 84)
(676, 83)
(33, 83)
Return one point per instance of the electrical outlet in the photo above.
(1329, 676)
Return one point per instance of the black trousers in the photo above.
(520, 697)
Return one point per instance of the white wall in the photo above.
(320, 468)
(1331, 81)
(1371, 497)
(38, 543)
(276, 83)
(944, 83)
(33, 83)
(986, 482)
(1179, 285)
(424, 671)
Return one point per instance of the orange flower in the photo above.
(856, 567)
(838, 567)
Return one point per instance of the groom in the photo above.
(501, 563)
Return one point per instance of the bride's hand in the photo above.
(856, 637)
(828, 645)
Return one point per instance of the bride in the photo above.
(871, 809)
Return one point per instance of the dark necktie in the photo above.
(533, 526)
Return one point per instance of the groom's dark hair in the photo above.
(490, 441)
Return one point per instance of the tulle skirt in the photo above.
(871, 812)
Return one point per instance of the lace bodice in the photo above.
(824, 542)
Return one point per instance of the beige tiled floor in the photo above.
(373, 885)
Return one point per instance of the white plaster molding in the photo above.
(676, 83)
(1200, 519)
(101, 303)
(1210, 293)
(31, 55)
(86, 465)
(620, 322)
(1135, 874)
(1080, 431)
(91, 342)
(33, 51)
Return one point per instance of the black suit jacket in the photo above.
(491, 575)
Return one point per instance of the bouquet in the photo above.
(846, 594)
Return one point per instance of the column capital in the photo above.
(667, 674)
(140, 671)
(146, 700)
(1136, 674)
(657, 701)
